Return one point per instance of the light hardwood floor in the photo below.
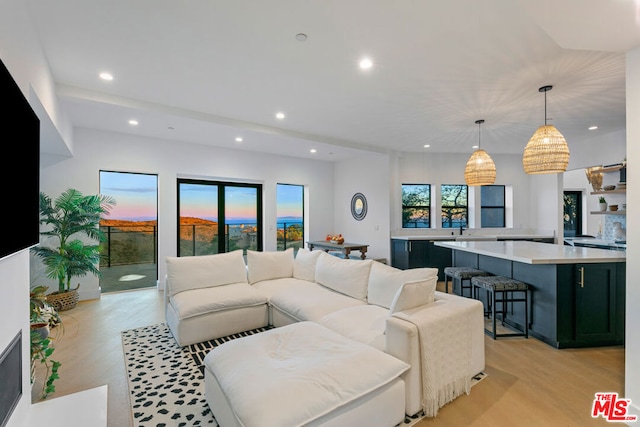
(529, 383)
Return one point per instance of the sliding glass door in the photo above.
(216, 217)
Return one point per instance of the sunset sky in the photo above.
(136, 198)
(136, 195)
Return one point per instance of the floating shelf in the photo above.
(611, 168)
(608, 212)
(621, 191)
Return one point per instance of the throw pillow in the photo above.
(384, 282)
(304, 265)
(269, 265)
(203, 271)
(347, 276)
(411, 295)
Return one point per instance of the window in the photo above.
(130, 254)
(416, 205)
(492, 210)
(290, 216)
(572, 213)
(454, 205)
(216, 217)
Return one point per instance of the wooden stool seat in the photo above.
(463, 274)
(501, 290)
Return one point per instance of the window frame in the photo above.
(502, 207)
(464, 208)
(222, 225)
(406, 207)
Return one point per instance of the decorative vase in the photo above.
(603, 207)
(41, 328)
(618, 231)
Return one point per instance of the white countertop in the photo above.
(612, 244)
(457, 234)
(537, 253)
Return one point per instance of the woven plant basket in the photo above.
(62, 301)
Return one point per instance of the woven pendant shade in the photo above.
(547, 150)
(480, 169)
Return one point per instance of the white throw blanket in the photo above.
(445, 350)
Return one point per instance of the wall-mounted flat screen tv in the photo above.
(20, 170)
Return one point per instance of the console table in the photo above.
(345, 248)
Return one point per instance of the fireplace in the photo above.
(10, 378)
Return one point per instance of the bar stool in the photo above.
(462, 274)
(504, 288)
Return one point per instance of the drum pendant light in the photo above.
(547, 150)
(480, 169)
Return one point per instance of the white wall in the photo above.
(368, 175)
(441, 168)
(21, 53)
(14, 306)
(632, 340)
(97, 150)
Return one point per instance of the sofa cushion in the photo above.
(269, 265)
(216, 298)
(273, 286)
(310, 301)
(413, 294)
(384, 282)
(203, 271)
(363, 323)
(304, 265)
(347, 276)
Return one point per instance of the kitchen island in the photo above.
(577, 293)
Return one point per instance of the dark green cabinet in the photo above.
(595, 302)
(407, 254)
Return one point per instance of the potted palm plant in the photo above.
(71, 248)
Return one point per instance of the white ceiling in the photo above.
(206, 71)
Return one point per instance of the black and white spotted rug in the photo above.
(166, 381)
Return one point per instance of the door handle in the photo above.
(581, 276)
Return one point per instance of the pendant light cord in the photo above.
(479, 122)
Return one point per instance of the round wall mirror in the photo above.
(358, 206)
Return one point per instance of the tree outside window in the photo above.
(454, 205)
(416, 205)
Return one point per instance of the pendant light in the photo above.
(547, 150)
(480, 168)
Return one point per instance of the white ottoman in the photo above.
(303, 374)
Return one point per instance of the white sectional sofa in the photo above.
(396, 311)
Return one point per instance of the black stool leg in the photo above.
(526, 313)
(493, 312)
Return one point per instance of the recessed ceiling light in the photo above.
(475, 146)
(426, 146)
(366, 63)
(280, 116)
(301, 37)
(313, 150)
(238, 139)
(593, 127)
(106, 76)
(133, 122)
